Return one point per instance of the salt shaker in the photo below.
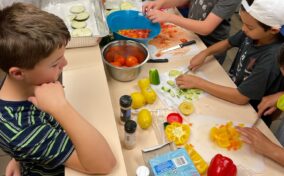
(129, 134)
(125, 108)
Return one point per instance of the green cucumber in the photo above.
(154, 76)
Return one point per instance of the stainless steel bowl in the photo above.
(124, 73)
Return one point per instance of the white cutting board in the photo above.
(245, 158)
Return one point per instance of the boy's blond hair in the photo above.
(28, 35)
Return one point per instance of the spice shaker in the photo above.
(125, 108)
(129, 134)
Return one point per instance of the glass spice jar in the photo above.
(125, 102)
(129, 134)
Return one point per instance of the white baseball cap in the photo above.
(269, 12)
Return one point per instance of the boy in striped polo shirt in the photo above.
(38, 127)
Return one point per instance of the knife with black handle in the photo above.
(158, 60)
(187, 43)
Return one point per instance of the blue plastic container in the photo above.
(131, 19)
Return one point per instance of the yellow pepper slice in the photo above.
(178, 133)
(226, 136)
(197, 160)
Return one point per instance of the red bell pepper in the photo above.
(221, 166)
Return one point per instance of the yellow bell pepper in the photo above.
(149, 94)
(226, 136)
(178, 133)
(197, 160)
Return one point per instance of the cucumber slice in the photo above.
(78, 24)
(82, 16)
(172, 93)
(77, 9)
(72, 17)
(171, 83)
(174, 73)
(126, 6)
(166, 89)
(84, 32)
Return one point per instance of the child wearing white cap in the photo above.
(255, 70)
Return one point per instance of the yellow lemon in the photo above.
(149, 94)
(144, 118)
(138, 100)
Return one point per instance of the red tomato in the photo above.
(109, 56)
(115, 63)
(119, 58)
(131, 61)
(174, 117)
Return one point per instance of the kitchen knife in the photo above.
(158, 60)
(179, 46)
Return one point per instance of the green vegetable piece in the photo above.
(166, 89)
(171, 83)
(77, 9)
(78, 24)
(174, 73)
(172, 93)
(154, 76)
(82, 16)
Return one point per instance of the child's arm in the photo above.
(158, 4)
(92, 153)
(199, 59)
(226, 93)
(268, 104)
(13, 168)
(261, 144)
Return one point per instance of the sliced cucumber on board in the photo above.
(77, 9)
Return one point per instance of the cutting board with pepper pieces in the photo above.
(200, 139)
(169, 36)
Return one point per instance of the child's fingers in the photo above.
(269, 111)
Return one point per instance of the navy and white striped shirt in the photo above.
(34, 138)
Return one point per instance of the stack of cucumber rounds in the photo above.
(79, 17)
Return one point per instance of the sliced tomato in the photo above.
(135, 33)
(174, 117)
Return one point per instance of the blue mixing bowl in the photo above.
(131, 19)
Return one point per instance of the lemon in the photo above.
(144, 119)
(186, 108)
(138, 100)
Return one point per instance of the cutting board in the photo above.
(245, 158)
(171, 35)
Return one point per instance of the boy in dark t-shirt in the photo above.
(39, 129)
(255, 70)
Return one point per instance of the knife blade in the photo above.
(179, 46)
